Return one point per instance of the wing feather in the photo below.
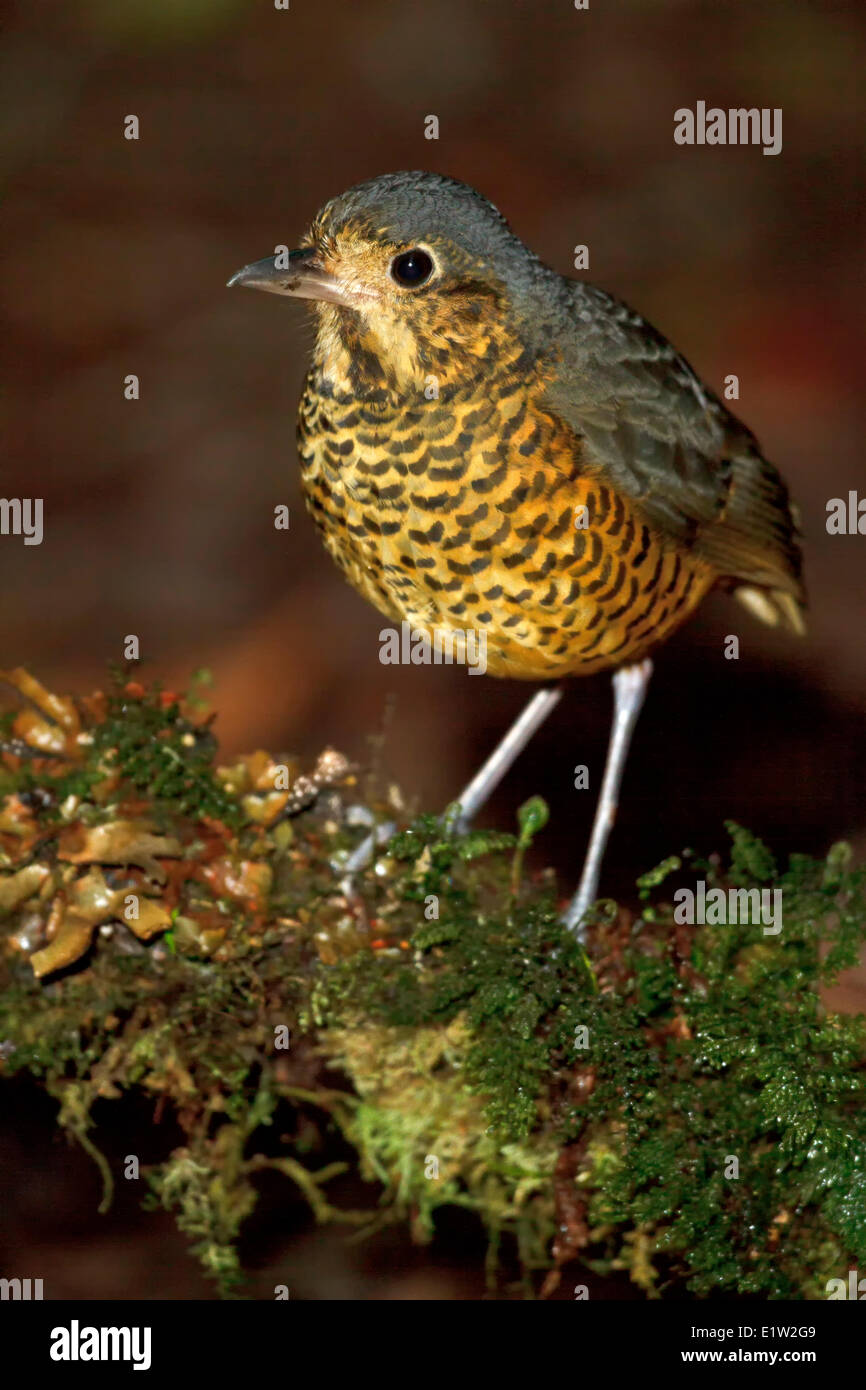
(647, 422)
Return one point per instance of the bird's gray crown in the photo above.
(416, 206)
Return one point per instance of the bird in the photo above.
(489, 446)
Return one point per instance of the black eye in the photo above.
(412, 268)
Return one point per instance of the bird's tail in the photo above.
(774, 607)
(757, 545)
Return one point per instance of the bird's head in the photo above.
(413, 275)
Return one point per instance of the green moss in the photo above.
(166, 756)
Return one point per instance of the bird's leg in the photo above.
(506, 752)
(363, 853)
(629, 688)
(483, 784)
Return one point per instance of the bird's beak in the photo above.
(300, 274)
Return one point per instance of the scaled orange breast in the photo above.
(480, 517)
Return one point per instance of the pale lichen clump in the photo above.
(424, 1134)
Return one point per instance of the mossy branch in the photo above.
(675, 1100)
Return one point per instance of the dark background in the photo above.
(159, 513)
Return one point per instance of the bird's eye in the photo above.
(412, 269)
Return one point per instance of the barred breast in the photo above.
(477, 513)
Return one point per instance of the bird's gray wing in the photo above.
(647, 423)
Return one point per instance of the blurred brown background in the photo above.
(159, 513)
